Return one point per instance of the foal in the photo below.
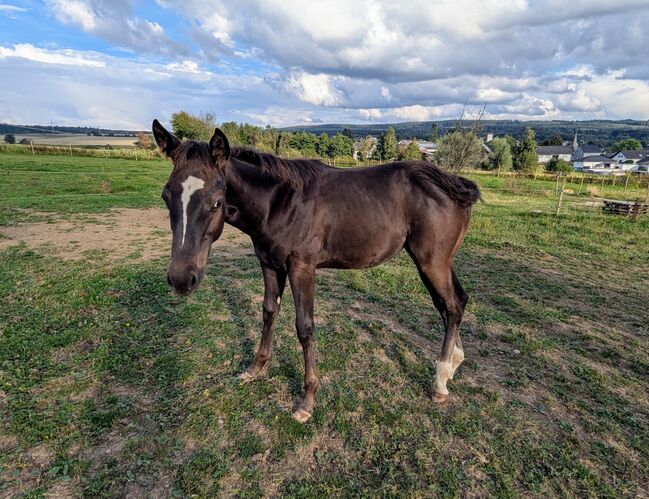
(302, 215)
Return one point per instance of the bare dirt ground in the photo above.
(136, 233)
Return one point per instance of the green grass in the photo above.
(110, 385)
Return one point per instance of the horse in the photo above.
(302, 215)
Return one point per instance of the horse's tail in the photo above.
(462, 191)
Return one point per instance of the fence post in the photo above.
(603, 178)
(70, 146)
(581, 184)
(31, 142)
(646, 199)
(560, 195)
(626, 182)
(556, 187)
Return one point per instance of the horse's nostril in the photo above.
(194, 279)
(169, 279)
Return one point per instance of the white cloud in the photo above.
(113, 21)
(4, 7)
(69, 57)
(296, 61)
(317, 89)
(370, 114)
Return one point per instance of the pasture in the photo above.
(75, 139)
(110, 386)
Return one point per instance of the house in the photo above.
(360, 144)
(598, 160)
(630, 156)
(546, 153)
(425, 147)
(585, 150)
(642, 166)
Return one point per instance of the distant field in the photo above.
(61, 139)
(110, 386)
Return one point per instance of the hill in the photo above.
(600, 132)
(54, 130)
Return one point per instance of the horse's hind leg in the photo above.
(458, 352)
(449, 299)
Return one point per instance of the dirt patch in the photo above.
(142, 234)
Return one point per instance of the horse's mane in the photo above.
(294, 172)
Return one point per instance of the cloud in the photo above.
(11, 11)
(384, 40)
(11, 8)
(67, 57)
(113, 21)
(89, 88)
(295, 61)
(317, 89)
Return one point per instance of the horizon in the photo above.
(35, 126)
(118, 65)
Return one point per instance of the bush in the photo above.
(10, 138)
(557, 165)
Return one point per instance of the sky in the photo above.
(121, 63)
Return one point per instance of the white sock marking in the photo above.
(444, 370)
(190, 186)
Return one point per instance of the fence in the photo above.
(626, 195)
(87, 151)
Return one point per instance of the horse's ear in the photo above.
(166, 141)
(219, 148)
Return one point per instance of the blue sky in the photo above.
(121, 63)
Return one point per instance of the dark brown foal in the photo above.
(302, 215)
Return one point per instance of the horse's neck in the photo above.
(248, 201)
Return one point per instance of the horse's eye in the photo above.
(217, 205)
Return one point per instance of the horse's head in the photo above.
(195, 197)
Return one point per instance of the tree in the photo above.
(459, 149)
(366, 147)
(558, 165)
(501, 155)
(322, 145)
(434, 132)
(411, 151)
(231, 131)
(24, 142)
(388, 145)
(10, 138)
(626, 145)
(340, 145)
(348, 133)
(305, 142)
(555, 140)
(525, 156)
(193, 126)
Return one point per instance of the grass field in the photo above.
(110, 386)
(75, 139)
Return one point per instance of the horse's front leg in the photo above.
(302, 278)
(274, 282)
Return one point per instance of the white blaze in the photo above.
(190, 186)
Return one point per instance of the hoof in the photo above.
(245, 377)
(439, 398)
(302, 415)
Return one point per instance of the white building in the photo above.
(546, 153)
(630, 156)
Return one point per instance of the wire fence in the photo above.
(562, 194)
(107, 151)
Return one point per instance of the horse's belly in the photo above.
(360, 250)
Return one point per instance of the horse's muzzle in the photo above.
(184, 281)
